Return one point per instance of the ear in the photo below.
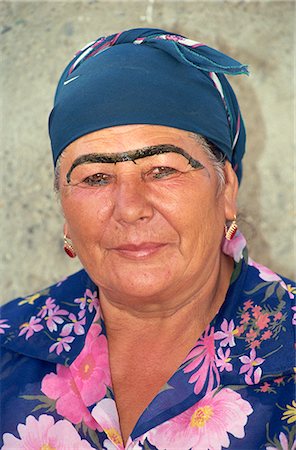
(230, 192)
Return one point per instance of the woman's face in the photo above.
(144, 220)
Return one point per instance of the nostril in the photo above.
(132, 209)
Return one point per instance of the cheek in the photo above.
(85, 214)
(201, 217)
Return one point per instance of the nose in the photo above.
(131, 202)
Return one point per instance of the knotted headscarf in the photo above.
(149, 76)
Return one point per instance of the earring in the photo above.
(230, 232)
(68, 247)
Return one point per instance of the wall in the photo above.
(37, 40)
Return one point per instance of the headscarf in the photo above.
(149, 76)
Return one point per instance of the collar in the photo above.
(52, 324)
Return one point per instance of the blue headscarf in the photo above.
(149, 76)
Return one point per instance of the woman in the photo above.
(171, 337)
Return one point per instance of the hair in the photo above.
(57, 169)
(214, 155)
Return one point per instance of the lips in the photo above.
(142, 250)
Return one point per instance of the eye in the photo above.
(98, 179)
(162, 171)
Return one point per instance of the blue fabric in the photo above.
(148, 76)
(251, 338)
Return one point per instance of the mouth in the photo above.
(139, 251)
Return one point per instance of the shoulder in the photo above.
(266, 316)
(46, 323)
(253, 332)
(22, 307)
(268, 286)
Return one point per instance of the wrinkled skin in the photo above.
(146, 234)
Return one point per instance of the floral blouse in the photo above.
(235, 388)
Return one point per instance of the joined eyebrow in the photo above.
(132, 155)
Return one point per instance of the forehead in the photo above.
(131, 137)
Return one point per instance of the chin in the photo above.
(135, 284)
(144, 276)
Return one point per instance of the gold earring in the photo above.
(68, 247)
(230, 232)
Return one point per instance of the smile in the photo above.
(140, 251)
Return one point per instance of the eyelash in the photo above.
(163, 171)
(102, 179)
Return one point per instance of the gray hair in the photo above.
(214, 155)
(57, 172)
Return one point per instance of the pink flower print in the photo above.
(262, 321)
(227, 334)
(249, 363)
(91, 367)
(81, 302)
(3, 325)
(256, 310)
(76, 324)
(294, 315)
(248, 304)
(256, 377)
(235, 247)
(62, 343)
(251, 335)
(245, 317)
(255, 343)
(240, 330)
(265, 387)
(108, 445)
(278, 316)
(205, 425)
(279, 381)
(284, 444)
(105, 414)
(203, 363)
(49, 305)
(30, 327)
(264, 273)
(91, 299)
(44, 433)
(62, 388)
(223, 362)
(131, 445)
(54, 317)
(268, 275)
(266, 335)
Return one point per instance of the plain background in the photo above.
(37, 41)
